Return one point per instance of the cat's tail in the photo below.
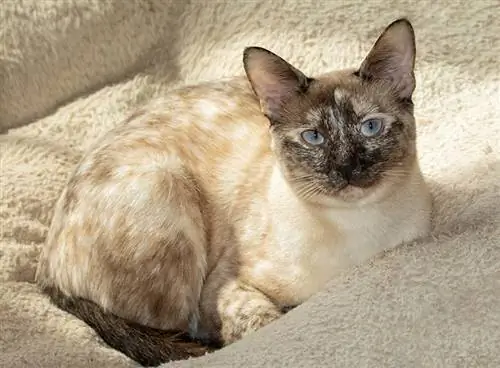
(145, 345)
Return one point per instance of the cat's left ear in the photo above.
(392, 58)
(273, 80)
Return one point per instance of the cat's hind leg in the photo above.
(128, 234)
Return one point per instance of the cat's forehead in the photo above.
(341, 92)
(343, 102)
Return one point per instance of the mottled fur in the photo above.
(207, 213)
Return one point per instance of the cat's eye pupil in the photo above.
(371, 128)
(312, 137)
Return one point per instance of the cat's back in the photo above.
(203, 141)
(198, 144)
(208, 129)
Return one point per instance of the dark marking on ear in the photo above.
(273, 80)
(308, 84)
(392, 59)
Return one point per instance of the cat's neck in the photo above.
(308, 243)
(406, 206)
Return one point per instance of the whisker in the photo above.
(307, 189)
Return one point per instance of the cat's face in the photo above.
(344, 136)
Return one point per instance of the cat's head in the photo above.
(346, 135)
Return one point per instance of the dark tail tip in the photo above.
(147, 346)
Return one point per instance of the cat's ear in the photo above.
(392, 58)
(273, 79)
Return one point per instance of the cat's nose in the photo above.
(349, 168)
(346, 171)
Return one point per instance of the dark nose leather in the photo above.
(349, 169)
(346, 171)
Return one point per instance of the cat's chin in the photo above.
(351, 195)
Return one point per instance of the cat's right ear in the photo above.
(273, 80)
(392, 58)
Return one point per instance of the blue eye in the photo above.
(313, 137)
(371, 127)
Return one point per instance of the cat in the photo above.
(211, 210)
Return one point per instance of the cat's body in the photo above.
(192, 217)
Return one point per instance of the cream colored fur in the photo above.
(431, 305)
(315, 244)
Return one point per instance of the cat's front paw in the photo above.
(241, 319)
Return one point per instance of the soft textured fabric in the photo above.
(70, 70)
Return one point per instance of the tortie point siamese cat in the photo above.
(209, 212)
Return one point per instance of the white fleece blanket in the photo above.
(70, 70)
